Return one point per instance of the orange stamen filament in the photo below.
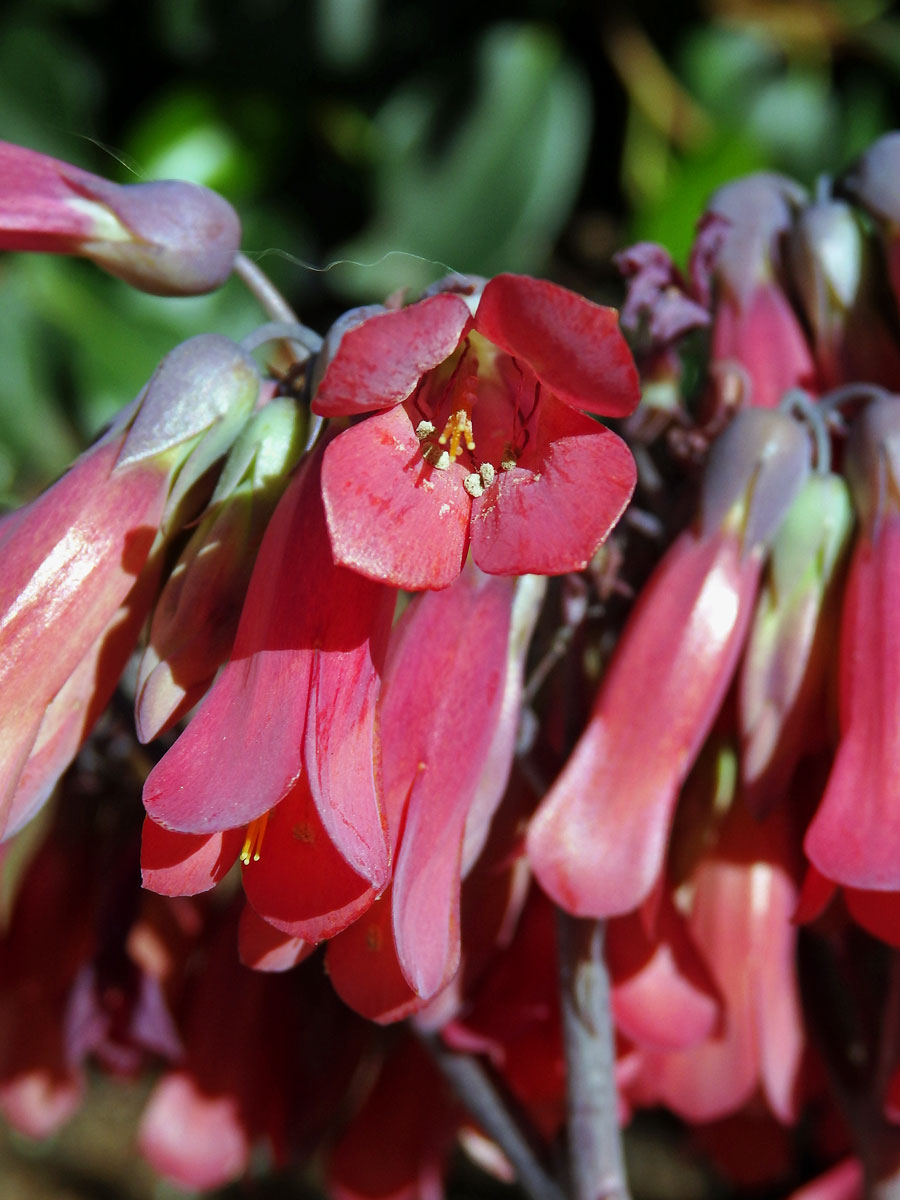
(458, 430)
(254, 839)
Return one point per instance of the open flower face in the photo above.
(480, 442)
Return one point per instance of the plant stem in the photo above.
(472, 1083)
(277, 309)
(595, 1145)
(266, 294)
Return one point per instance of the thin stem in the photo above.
(277, 309)
(267, 295)
(471, 1082)
(595, 1145)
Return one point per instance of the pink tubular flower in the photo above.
(742, 901)
(170, 238)
(482, 443)
(598, 840)
(854, 838)
(72, 557)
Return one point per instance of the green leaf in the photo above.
(497, 194)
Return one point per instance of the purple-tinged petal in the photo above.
(380, 361)
(391, 515)
(574, 347)
(547, 515)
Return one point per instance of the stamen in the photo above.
(254, 839)
(457, 430)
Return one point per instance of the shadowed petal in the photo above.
(301, 884)
(184, 864)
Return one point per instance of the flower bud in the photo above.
(197, 613)
(756, 334)
(874, 184)
(836, 276)
(783, 675)
(169, 238)
(755, 469)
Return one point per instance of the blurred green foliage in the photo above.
(534, 137)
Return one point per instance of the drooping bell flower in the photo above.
(742, 900)
(662, 993)
(296, 696)
(838, 277)
(447, 740)
(783, 676)
(598, 840)
(758, 346)
(71, 558)
(480, 435)
(854, 838)
(170, 237)
(196, 615)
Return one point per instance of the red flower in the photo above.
(481, 442)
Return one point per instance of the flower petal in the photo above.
(437, 729)
(301, 884)
(854, 837)
(573, 346)
(598, 840)
(391, 515)
(549, 514)
(184, 864)
(379, 362)
(304, 619)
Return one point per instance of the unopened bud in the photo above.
(755, 469)
(872, 460)
(170, 237)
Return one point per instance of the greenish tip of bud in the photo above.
(812, 538)
(755, 469)
(173, 238)
(266, 450)
(872, 460)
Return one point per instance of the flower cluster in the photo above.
(399, 711)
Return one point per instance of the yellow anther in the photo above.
(254, 839)
(457, 430)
